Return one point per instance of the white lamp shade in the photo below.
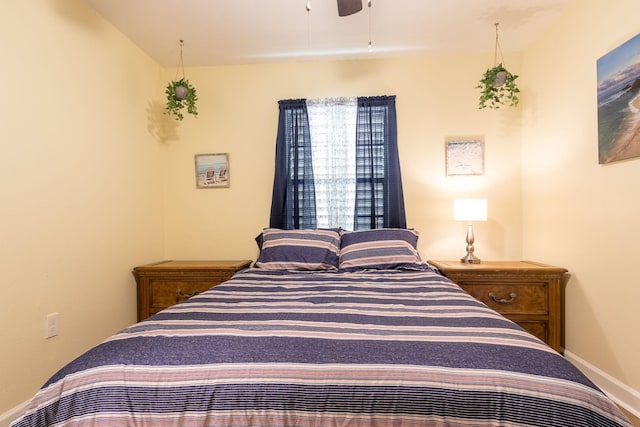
(470, 209)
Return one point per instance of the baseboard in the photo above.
(619, 392)
(9, 416)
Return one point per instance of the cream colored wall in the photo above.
(82, 188)
(435, 98)
(577, 213)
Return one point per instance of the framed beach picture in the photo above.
(212, 170)
(464, 156)
(619, 103)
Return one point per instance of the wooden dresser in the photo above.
(529, 293)
(165, 283)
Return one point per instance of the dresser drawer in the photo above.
(527, 292)
(165, 293)
(163, 284)
(514, 298)
(537, 329)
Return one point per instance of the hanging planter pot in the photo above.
(181, 94)
(498, 86)
(501, 78)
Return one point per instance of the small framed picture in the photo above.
(464, 156)
(212, 170)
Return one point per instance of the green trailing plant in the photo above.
(494, 93)
(181, 94)
(498, 86)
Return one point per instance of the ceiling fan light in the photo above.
(349, 7)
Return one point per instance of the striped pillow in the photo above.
(380, 249)
(299, 250)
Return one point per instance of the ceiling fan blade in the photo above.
(349, 7)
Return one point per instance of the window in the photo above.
(332, 124)
(337, 165)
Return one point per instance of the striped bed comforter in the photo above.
(278, 348)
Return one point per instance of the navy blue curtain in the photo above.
(379, 196)
(293, 202)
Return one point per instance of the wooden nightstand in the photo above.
(529, 293)
(165, 283)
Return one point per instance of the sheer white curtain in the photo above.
(332, 125)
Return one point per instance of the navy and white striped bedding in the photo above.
(277, 348)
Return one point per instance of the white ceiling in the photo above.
(218, 32)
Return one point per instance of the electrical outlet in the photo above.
(52, 325)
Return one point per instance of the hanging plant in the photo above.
(180, 94)
(498, 86)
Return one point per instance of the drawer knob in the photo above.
(187, 296)
(512, 298)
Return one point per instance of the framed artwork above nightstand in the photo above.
(464, 156)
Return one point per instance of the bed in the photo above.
(326, 330)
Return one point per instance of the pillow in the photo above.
(380, 249)
(258, 240)
(299, 250)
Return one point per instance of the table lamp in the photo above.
(470, 210)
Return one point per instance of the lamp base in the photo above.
(470, 259)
